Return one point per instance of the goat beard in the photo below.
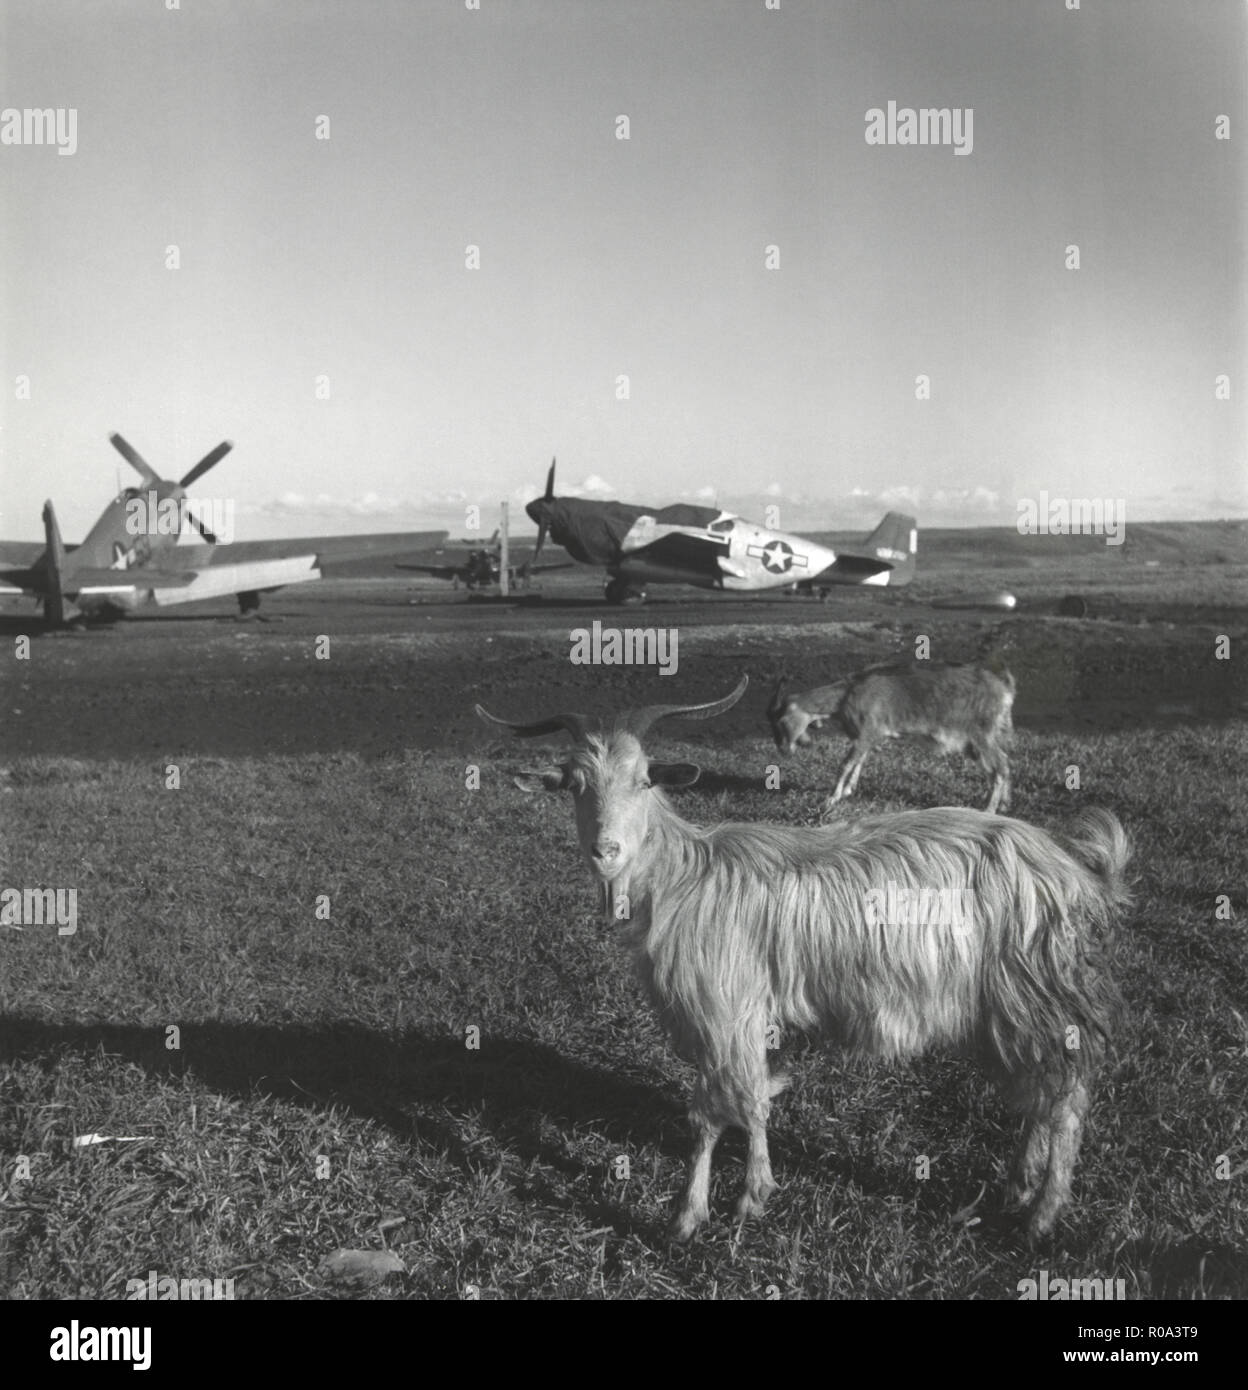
(613, 895)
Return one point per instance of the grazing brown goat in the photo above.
(963, 708)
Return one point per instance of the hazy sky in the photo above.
(600, 257)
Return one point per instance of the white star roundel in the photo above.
(778, 556)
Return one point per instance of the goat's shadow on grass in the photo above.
(523, 1096)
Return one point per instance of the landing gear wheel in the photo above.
(621, 591)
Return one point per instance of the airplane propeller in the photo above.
(543, 526)
(149, 474)
(201, 528)
(209, 460)
(134, 458)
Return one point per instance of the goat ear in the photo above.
(550, 779)
(674, 774)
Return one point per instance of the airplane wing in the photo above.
(127, 586)
(100, 578)
(206, 571)
(328, 551)
(19, 554)
(331, 553)
(15, 581)
(220, 580)
(96, 581)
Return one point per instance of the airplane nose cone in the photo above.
(535, 510)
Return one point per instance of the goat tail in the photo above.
(1054, 1007)
(1085, 988)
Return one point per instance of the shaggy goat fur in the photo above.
(740, 927)
(964, 708)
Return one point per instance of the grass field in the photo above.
(298, 1084)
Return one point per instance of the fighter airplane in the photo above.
(480, 568)
(711, 549)
(122, 566)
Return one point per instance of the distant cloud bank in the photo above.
(858, 509)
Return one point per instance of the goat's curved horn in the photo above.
(639, 721)
(575, 724)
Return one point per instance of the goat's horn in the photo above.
(639, 721)
(575, 724)
(777, 695)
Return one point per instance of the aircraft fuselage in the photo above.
(699, 546)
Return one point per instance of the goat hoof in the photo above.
(1040, 1228)
(1017, 1197)
(749, 1206)
(683, 1228)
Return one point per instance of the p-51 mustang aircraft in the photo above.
(122, 566)
(480, 568)
(711, 549)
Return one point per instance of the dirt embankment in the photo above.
(396, 677)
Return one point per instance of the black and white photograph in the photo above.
(623, 638)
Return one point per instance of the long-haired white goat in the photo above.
(740, 927)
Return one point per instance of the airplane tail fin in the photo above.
(53, 563)
(896, 539)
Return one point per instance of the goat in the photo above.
(964, 708)
(740, 927)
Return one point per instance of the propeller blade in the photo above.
(134, 458)
(544, 524)
(541, 541)
(539, 510)
(208, 461)
(201, 528)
